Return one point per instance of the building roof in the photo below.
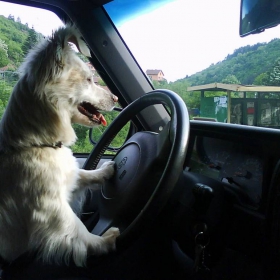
(153, 72)
(233, 87)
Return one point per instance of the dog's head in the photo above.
(62, 79)
(56, 89)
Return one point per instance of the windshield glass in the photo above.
(194, 48)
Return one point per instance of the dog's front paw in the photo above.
(108, 169)
(110, 237)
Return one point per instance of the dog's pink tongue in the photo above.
(102, 119)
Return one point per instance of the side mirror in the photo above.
(258, 15)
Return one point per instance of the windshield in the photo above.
(194, 48)
(188, 46)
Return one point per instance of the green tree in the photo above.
(11, 17)
(3, 53)
(15, 53)
(5, 92)
(246, 63)
(230, 79)
(159, 84)
(192, 99)
(262, 79)
(3, 58)
(101, 83)
(30, 41)
(274, 76)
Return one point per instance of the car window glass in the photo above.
(185, 45)
(21, 27)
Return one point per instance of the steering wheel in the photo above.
(147, 167)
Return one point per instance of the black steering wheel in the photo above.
(147, 167)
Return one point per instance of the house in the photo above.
(155, 75)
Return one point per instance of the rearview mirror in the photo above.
(258, 15)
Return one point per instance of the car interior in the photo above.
(193, 199)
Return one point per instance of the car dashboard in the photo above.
(240, 157)
(237, 163)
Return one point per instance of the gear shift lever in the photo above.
(203, 196)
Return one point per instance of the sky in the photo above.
(42, 21)
(187, 40)
(175, 38)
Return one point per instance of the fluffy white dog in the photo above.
(38, 173)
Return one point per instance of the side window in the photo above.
(19, 32)
(8, 79)
(21, 28)
(88, 137)
(120, 138)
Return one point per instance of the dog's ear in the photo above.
(80, 44)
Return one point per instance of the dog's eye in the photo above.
(89, 80)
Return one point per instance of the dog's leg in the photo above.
(72, 239)
(87, 178)
(96, 245)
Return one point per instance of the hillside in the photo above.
(250, 65)
(246, 64)
(243, 66)
(257, 64)
(14, 39)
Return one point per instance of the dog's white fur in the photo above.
(37, 182)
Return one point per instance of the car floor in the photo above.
(150, 257)
(154, 255)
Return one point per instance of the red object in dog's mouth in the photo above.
(92, 113)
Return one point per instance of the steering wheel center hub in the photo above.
(127, 164)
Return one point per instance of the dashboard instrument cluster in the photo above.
(238, 164)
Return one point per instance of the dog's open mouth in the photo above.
(92, 113)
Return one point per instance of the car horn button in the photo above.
(127, 163)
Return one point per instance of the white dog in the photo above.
(38, 173)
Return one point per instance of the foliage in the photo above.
(262, 79)
(13, 34)
(11, 17)
(120, 137)
(3, 53)
(101, 82)
(5, 92)
(4, 47)
(3, 58)
(30, 42)
(245, 63)
(83, 144)
(230, 79)
(192, 99)
(274, 76)
(258, 64)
